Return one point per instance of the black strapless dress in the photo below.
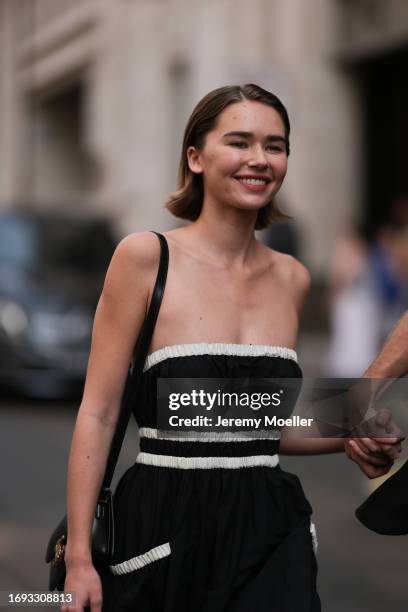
(211, 523)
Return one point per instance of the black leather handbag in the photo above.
(103, 521)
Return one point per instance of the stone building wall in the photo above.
(131, 71)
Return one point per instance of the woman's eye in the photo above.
(275, 148)
(238, 143)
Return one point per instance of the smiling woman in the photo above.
(205, 521)
(234, 117)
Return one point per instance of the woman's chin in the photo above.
(251, 206)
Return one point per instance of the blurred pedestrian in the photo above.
(354, 308)
(388, 277)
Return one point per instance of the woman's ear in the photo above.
(194, 160)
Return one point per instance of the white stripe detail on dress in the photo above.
(159, 552)
(218, 348)
(314, 536)
(211, 436)
(204, 463)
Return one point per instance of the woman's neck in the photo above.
(230, 238)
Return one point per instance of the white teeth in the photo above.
(252, 181)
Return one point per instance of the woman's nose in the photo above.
(257, 157)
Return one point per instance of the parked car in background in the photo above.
(52, 269)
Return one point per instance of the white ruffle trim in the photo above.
(314, 536)
(204, 463)
(218, 348)
(159, 552)
(211, 436)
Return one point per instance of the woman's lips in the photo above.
(253, 184)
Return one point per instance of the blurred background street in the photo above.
(94, 97)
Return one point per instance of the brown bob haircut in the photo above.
(187, 201)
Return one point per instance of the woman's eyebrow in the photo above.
(270, 137)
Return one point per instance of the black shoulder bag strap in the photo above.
(102, 530)
(135, 373)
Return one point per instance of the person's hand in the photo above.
(370, 456)
(376, 455)
(374, 438)
(379, 423)
(364, 416)
(384, 419)
(382, 448)
(84, 582)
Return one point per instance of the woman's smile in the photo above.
(253, 182)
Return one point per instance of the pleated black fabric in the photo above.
(236, 539)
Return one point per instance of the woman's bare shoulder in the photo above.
(133, 267)
(290, 270)
(140, 247)
(300, 274)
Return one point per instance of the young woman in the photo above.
(204, 524)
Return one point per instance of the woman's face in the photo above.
(243, 161)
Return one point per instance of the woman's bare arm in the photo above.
(311, 446)
(118, 319)
(392, 362)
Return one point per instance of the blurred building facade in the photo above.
(94, 96)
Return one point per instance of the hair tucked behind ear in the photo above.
(187, 201)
